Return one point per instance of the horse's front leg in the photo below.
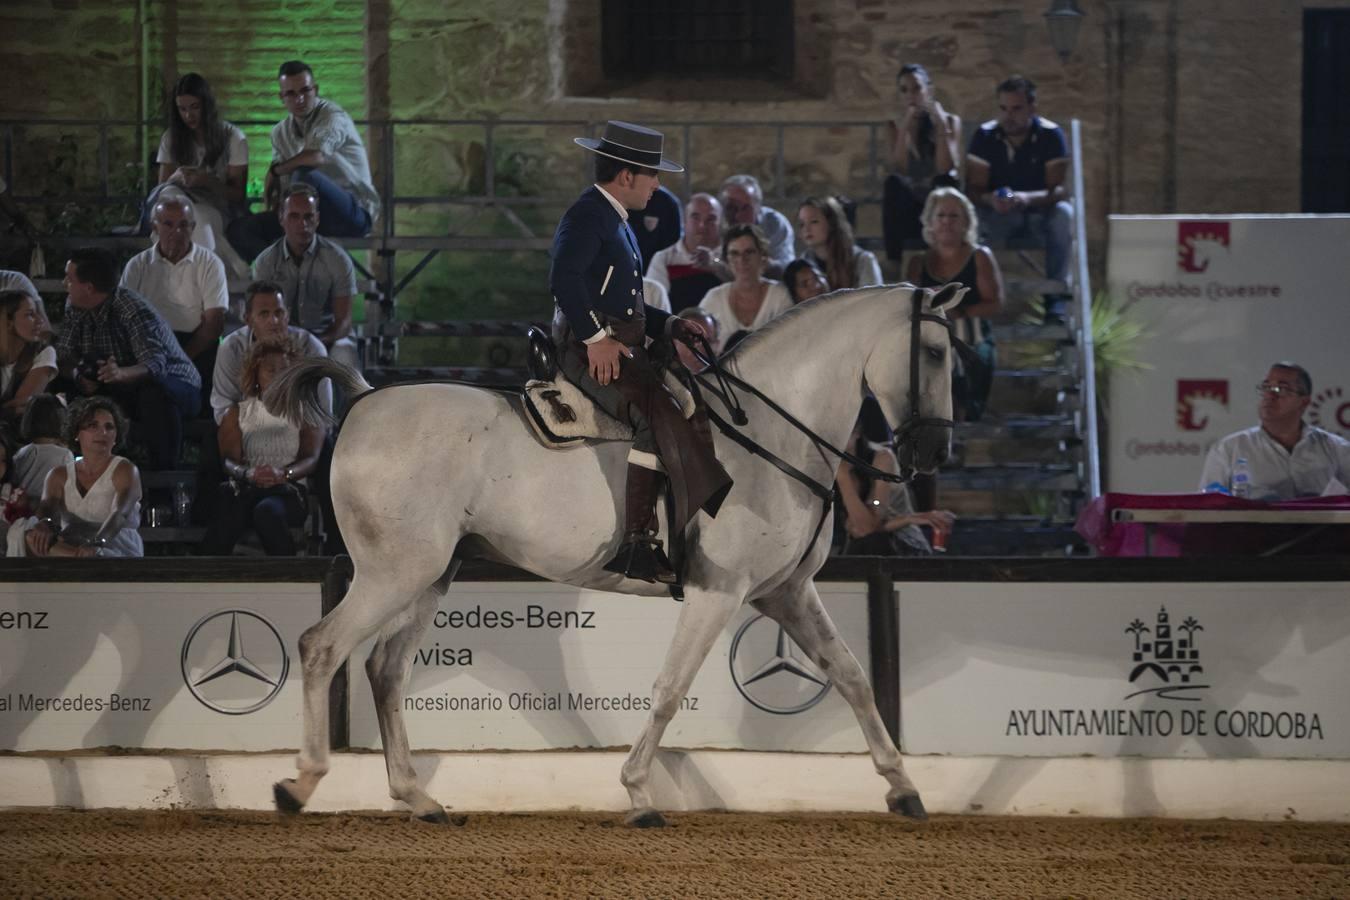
(803, 616)
(702, 619)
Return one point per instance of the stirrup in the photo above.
(642, 557)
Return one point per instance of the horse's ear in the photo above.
(947, 297)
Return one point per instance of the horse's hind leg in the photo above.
(803, 616)
(323, 648)
(387, 668)
(701, 620)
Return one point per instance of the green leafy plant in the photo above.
(1116, 338)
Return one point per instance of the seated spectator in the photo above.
(710, 327)
(184, 282)
(743, 204)
(690, 267)
(1015, 171)
(925, 147)
(205, 159)
(12, 500)
(27, 365)
(113, 342)
(316, 144)
(92, 505)
(266, 321)
(17, 281)
(316, 275)
(657, 226)
(750, 301)
(828, 237)
(875, 517)
(266, 458)
(955, 255)
(804, 280)
(1284, 457)
(44, 449)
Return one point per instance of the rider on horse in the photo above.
(602, 327)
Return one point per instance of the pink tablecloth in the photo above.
(1245, 539)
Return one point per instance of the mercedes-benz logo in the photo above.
(247, 675)
(783, 663)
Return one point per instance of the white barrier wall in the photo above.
(534, 666)
(1161, 670)
(187, 666)
(1222, 298)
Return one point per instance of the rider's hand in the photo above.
(687, 330)
(602, 359)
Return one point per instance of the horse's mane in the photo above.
(804, 310)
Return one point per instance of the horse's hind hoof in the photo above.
(284, 799)
(909, 806)
(441, 817)
(645, 818)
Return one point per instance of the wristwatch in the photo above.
(290, 473)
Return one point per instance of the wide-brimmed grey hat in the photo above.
(631, 144)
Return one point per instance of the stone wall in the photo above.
(1186, 107)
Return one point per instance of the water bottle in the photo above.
(182, 505)
(1242, 478)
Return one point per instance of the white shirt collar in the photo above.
(159, 257)
(618, 207)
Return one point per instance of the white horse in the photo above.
(424, 475)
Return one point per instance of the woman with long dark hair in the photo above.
(26, 364)
(205, 158)
(825, 230)
(925, 147)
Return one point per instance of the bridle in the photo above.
(905, 437)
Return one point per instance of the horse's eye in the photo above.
(937, 354)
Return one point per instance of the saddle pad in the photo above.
(562, 416)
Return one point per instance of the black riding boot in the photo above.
(641, 555)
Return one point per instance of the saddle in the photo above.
(562, 416)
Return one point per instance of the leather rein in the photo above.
(906, 433)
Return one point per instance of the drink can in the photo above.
(939, 541)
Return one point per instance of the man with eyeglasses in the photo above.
(743, 204)
(1283, 457)
(316, 143)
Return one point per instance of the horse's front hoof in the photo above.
(909, 806)
(441, 817)
(284, 799)
(645, 818)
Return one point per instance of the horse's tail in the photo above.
(294, 394)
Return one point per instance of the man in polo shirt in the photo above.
(184, 282)
(317, 275)
(688, 269)
(1284, 457)
(266, 321)
(113, 342)
(317, 143)
(1015, 172)
(743, 204)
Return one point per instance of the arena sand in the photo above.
(117, 853)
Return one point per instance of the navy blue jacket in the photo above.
(597, 269)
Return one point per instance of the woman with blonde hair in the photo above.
(266, 458)
(825, 230)
(26, 364)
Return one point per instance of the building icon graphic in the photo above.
(1174, 661)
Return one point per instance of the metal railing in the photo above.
(1083, 339)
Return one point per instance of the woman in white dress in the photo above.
(26, 366)
(92, 505)
(267, 457)
(205, 159)
(749, 301)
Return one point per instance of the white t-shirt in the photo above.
(654, 294)
(180, 291)
(45, 359)
(1277, 473)
(236, 152)
(718, 302)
